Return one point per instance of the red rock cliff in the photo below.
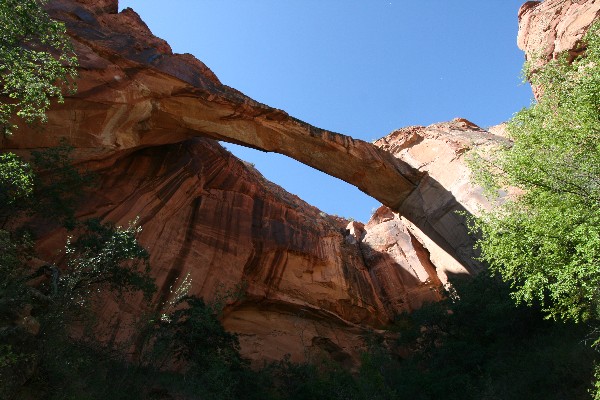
(145, 121)
(551, 27)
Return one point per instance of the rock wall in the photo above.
(313, 284)
(133, 92)
(214, 220)
(144, 120)
(439, 205)
(141, 94)
(551, 27)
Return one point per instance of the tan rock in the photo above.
(552, 27)
(433, 209)
(400, 266)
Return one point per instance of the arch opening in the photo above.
(328, 193)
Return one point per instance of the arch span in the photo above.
(133, 92)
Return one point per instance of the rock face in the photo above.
(213, 220)
(313, 284)
(436, 209)
(551, 27)
(145, 120)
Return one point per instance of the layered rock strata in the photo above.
(133, 92)
(210, 218)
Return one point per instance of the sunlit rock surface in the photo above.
(551, 27)
(133, 92)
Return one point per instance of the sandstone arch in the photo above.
(133, 93)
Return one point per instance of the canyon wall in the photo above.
(552, 27)
(147, 121)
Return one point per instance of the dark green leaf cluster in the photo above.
(58, 184)
(194, 334)
(48, 186)
(482, 346)
(104, 256)
(16, 185)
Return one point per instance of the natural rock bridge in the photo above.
(134, 93)
(140, 94)
(136, 120)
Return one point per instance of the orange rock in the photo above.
(551, 27)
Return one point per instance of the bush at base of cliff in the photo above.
(38, 305)
(191, 339)
(479, 345)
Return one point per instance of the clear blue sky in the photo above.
(358, 67)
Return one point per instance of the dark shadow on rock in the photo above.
(438, 214)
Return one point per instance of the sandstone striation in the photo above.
(144, 120)
(313, 284)
(213, 220)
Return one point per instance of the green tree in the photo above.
(546, 242)
(36, 61)
(38, 306)
(16, 186)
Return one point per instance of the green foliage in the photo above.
(48, 186)
(58, 184)
(38, 306)
(102, 259)
(16, 183)
(307, 382)
(546, 243)
(36, 61)
(105, 256)
(482, 346)
(194, 334)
